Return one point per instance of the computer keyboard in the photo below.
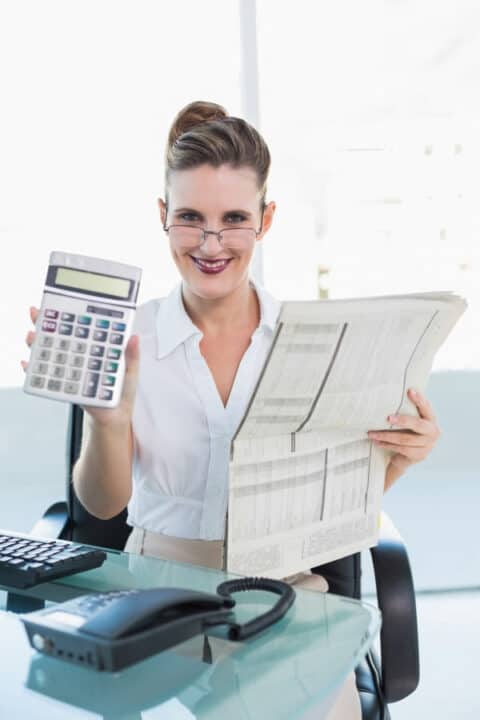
(26, 560)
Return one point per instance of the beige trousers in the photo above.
(210, 553)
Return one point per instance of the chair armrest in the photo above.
(396, 600)
(53, 523)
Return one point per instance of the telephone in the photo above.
(110, 631)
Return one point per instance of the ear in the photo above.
(268, 214)
(163, 210)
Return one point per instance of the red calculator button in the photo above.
(49, 326)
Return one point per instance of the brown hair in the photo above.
(203, 132)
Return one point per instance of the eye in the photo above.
(235, 218)
(189, 217)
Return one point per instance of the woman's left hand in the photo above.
(412, 442)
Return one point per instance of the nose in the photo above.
(211, 244)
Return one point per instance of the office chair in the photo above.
(379, 681)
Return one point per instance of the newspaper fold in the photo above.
(306, 483)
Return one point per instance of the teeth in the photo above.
(210, 263)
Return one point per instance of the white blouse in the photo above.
(182, 430)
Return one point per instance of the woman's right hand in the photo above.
(122, 414)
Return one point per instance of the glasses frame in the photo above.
(212, 232)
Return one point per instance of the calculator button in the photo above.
(63, 344)
(74, 374)
(120, 327)
(54, 385)
(40, 368)
(67, 317)
(51, 314)
(44, 355)
(57, 371)
(84, 320)
(46, 341)
(100, 335)
(113, 353)
(94, 364)
(71, 388)
(65, 329)
(60, 358)
(77, 361)
(90, 384)
(105, 394)
(97, 350)
(37, 381)
(82, 332)
(108, 380)
(49, 326)
(79, 347)
(116, 338)
(104, 324)
(110, 367)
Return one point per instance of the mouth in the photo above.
(211, 267)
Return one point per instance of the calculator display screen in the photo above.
(93, 282)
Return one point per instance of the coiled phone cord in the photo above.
(256, 625)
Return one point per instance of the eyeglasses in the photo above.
(233, 238)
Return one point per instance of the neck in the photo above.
(232, 313)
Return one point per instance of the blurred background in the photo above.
(371, 111)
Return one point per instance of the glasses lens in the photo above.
(186, 235)
(237, 238)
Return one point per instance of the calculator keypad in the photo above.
(70, 363)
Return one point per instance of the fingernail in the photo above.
(392, 418)
(413, 392)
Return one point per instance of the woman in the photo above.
(164, 450)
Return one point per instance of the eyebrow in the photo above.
(177, 211)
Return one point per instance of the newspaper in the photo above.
(306, 483)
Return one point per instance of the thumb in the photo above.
(132, 360)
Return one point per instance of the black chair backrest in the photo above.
(86, 528)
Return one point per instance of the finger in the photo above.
(411, 422)
(132, 359)
(394, 437)
(24, 365)
(423, 406)
(30, 337)
(411, 453)
(34, 312)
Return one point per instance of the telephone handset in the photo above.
(110, 631)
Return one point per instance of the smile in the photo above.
(211, 266)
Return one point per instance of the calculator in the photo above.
(84, 323)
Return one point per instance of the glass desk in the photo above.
(282, 674)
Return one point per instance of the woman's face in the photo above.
(214, 199)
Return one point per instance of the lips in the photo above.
(211, 267)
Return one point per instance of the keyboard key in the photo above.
(116, 338)
(60, 358)
(105, 394)
(113, 353)
(108, 380)
(97, 350)
(79, 347)
(54, 385)
(82, 332)
(57, 371)
(104, 324)
(40, 368)
(94, 364)
(110, 367)
(120, 327)
(63, 344)
(67, 317)
(100, 335)
(49, 326)
(46, 341)
(84, 320)
(74, 374)
(77, 361)
(37, 381)
(90, 384)
(71, 388)
(65, 329)
(53, 314)
(44, 355)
